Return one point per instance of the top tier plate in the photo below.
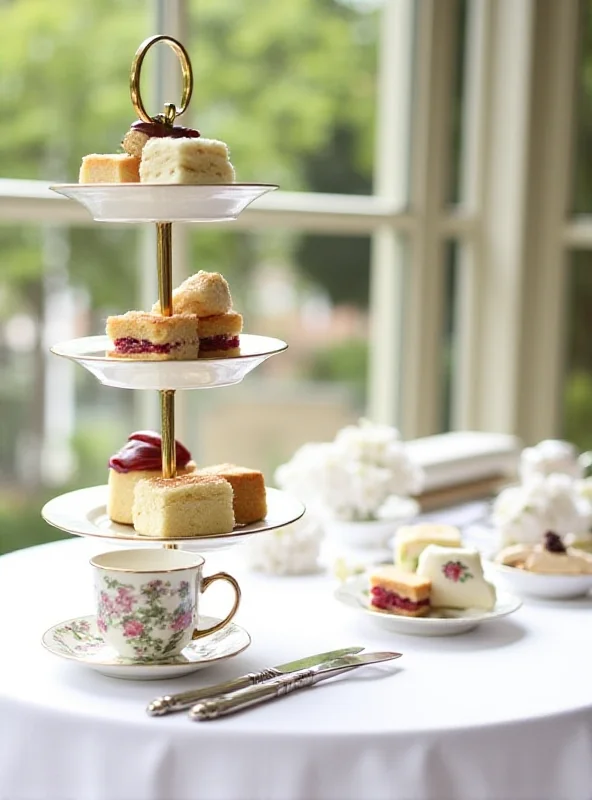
(159, 202)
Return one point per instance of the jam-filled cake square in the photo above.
(219, 335)
(398, 592)
(151, 337)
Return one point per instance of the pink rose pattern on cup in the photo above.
(141, 615)
(456, 571)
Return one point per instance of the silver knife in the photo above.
(215, 707)
(178, 702)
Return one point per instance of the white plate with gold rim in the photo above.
(80, 640)
(84, 513)
(200, 373)
(161, 202)
(354, 593)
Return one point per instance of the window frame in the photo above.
(512, 226)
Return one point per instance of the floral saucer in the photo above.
(354, 593)
(80, 640)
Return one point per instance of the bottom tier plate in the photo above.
(84, 513)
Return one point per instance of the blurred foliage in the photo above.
(345, 362)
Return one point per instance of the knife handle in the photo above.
(177, 702)
(215, 707)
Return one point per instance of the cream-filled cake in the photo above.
(191, 505)
(456, 574)
(109, 168)
(139, 458)
(411, 541)
(248, 486)
(550, 558)
(219, 335)
(398, 592)
(188, 161)
(205, 294)
(152, 337)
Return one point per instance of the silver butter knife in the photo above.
(178, 702)
(215, 707)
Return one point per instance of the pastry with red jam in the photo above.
(398, 592)
(151, 337)
(219, 335)
(141, 132)
(139, 458)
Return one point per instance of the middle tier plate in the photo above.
(84, 513)
(202, 373)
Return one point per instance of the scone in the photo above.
(109, 168)
(189, 161)
(141, 132)
(398, 592)
(248, 486)
(219, 335)
(151, 337)
(174, 508)
(139, 458)
(205, 294)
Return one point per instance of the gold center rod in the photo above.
(165, 296)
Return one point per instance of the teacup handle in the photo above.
(219, 576)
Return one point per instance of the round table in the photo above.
(502, 712)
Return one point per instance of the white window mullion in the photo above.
(547, 266)
(470, 245)
(505, 184)
(391, 186)
(422, 364)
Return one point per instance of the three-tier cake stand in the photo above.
(84, 512)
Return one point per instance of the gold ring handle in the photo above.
(171, 111)
(220, 576)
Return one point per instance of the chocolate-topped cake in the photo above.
(140, 457)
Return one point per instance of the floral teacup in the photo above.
(147, 601)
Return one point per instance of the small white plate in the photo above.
(80, 640)
(441, 622)
(535, 584)
(202, 373)
(160, 202)
(84, 513)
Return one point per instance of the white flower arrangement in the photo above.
(357, 477)
(556, 502)
(549, 457)
(291, 550)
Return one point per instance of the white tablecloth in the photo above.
(504, 712)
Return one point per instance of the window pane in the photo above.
(582, 175)
(59, 425)
(64, 75)
(313, 293)
(290, 86)
(577, 414)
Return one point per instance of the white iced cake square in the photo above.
(189, 161)
(457, 578)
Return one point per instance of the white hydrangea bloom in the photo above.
(542, 503)
(354, 476)
(291, 550)
(550, 456)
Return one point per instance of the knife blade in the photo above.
(214, 707)
(177, 702)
